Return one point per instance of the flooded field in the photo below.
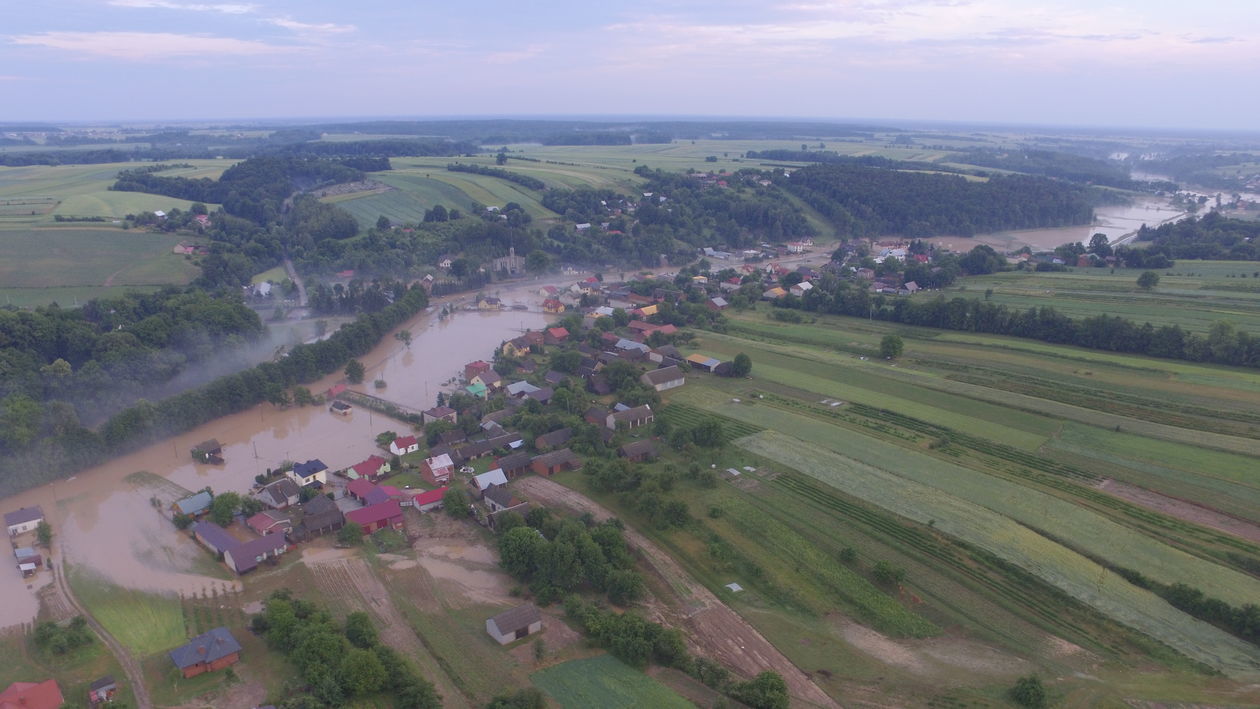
(105, 517)
(1118, 222)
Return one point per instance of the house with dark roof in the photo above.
(440, 413)
(664, 378)
(630, 418)
(102, 690)
(514, 464)
(280, 494)
(515, 624)
(542, 396)
(554, 378)
(382, 515)
(558, 437)
(320, 515)
(23, 520)
(210, 451)
(313, 473)
(555, 461)
(246, 556)
(499, 498)
(208, 652)
(32, 695)
(213, 537)
(595, 415)
(638, 451)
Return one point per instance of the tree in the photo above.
(765, 691)
(501, 158)
(1029, 692)
(538, 261)
(351, 534)
(359, 629)
(355, 371)
(528, 698)
(741, 366)
(224, 507)
(891, 347)
(1148, 280)
(382, 223)
(404, 336)
(455, 502)
(1099, 245)
(708, 433)
(361, 672)
(44, 533)
(886, 574)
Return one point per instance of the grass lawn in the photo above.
(145, 623)
(20, 661)
(604, 682)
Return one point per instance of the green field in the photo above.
(1192, 294)
(145, 623)
(604, 682)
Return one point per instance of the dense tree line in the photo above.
(590, 138)
(377, 149)
(832, 157)
(1224, 344)
(338, 662)
(866, 202)
(66, 366)
(1062, 166)
(556, 556)
(1242, 621)
(1209, 237)
(524, 180)
(1208, 170)
(60, 445)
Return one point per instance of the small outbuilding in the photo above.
(515, 624)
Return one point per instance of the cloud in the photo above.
(146, 45)
(514, 56)
(306, 27)
(225, 8)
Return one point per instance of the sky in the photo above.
(1141, 63)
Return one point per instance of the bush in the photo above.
(1029, 692)
(888, 575)
(351, 534)
(765, 691)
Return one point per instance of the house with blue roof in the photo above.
(193, 505)
(208, 652)
(312, 472)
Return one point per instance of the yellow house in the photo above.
(649, 310)
(513, 348)
(489, 303)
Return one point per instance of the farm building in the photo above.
(23, 520)
(518, 389)
(801, 288)
(558, 437)
(211, 651)
(515, 624)
(699, 361)
(630, 418)
(718, 303)
(312, 472)
(376, 517)
(213, 537)
(359, 489)
(429, 499)
(638, 451)
(514, 464)
(437, 470)
(245, 557)
(664, 378)
(32, 695)
(320, 515)
(499, 498)
(193, 505)
(370, 469)
(28, 560)
(381, 493)
(210, 451)
(102, 690)
(280, 494)
(556, 461)
(441, 413)
(480, 483)
(270, 522)
(404, 445)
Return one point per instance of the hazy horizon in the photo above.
(1069, 63)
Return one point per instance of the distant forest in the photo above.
(1209, 237)
(865, 202)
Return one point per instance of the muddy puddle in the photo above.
(458, 566)
(104, 518)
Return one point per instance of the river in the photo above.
(103, 518)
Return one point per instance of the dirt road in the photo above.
(129, 664)
(715, 629)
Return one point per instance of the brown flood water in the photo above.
(105, 521)
(1118, 222)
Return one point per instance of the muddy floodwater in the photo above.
(105, 520)
(1118, 221)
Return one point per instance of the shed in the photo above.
(515, 624)
(499, 497)
(514, 464)
(102, 690)
(664, 378)
(558, 437)
(210, 451)
(213, 537)
(556, 461)
(320, 515)
(208, 652)
(429, 499)
(270, 522)
(359, 489)
(244, 557)
(378, 516)
(638, 451)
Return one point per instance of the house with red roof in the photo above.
(472, 369)
(404, 445)
(553, 305)
(429, 499)
(382, 515)
(359, 489)
(372, 468)
(32, 695)
(556, 335)
(270, 522)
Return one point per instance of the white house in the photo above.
(23, 520)
(404, 445)
(515, 624)
(309, 473)
(801, 288)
